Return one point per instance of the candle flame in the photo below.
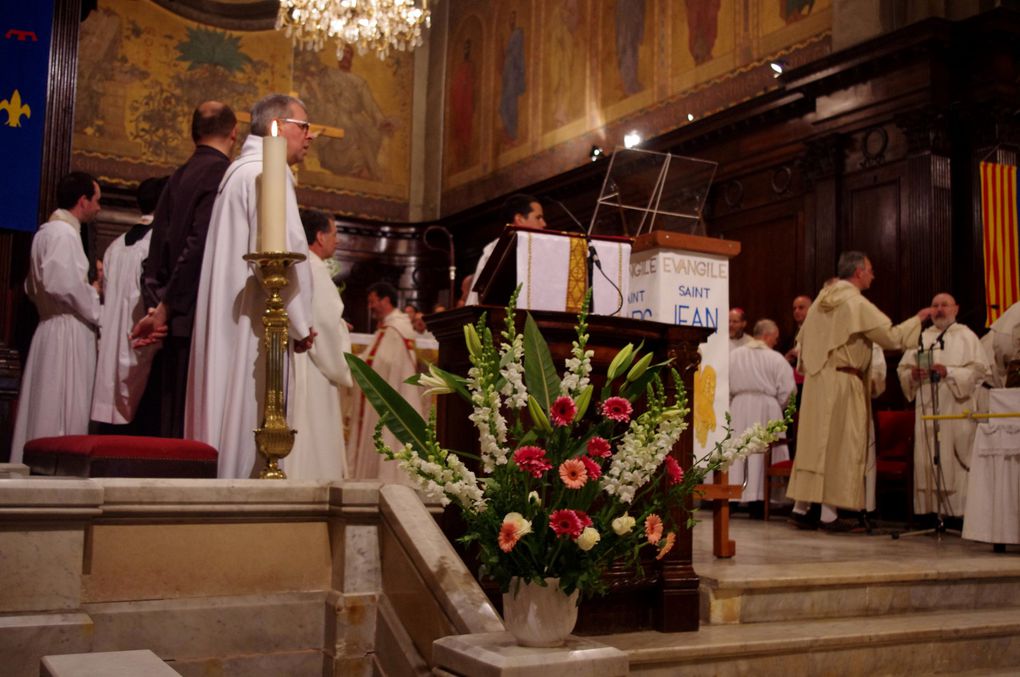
(273, 128)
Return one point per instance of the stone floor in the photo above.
(812, 603)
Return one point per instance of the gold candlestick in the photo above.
(274, 439)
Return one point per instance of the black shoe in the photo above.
(842, 525)
(802, 521)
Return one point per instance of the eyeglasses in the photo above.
(305, 125)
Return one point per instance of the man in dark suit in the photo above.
(171, 271)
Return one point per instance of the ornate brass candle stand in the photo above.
(274, 439)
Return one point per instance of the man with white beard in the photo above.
(761, 382)
(950, 360)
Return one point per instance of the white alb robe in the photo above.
(761, 381)
(56, 388)
(392, 357)
(121, 370)
(1002, 343)
(319, 452)
(967, 366)
(740, 342)
(226, 375)
(472, 297)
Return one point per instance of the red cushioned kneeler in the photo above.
(119, 456)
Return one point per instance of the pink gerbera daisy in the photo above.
(573, 473)
(562, 411)
(532, 460)
(617, 409)
(592, 468)
(674, 471)
(566, 522)
(599, 447)
(653, 528)
(514, 527)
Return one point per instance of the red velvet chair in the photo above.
(120, 456)
(894, 460)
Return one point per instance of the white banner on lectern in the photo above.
(690, 289)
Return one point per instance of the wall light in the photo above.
(778, 66)
(631, 139)
(596, 153)
(690, 117)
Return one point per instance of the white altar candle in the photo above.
(272, 201)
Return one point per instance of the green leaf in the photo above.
(400, 417)
(539, 372)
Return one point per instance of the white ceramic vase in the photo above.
(539, 616)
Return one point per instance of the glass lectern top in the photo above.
(645, 190)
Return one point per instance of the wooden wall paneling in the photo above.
(822, 167)
(766, 276)
(874, 203)
(928, 218)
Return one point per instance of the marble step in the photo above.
(984, 641)
(732, 592)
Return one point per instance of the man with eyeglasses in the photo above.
(226, 372)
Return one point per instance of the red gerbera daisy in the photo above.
(674, 471)
(617, 409)
(566, 522)
(562, 411)
(532, 460)
(599, 447)
(583, 516)
(592, 468)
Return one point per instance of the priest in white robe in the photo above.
(1002, 344)
(122, 371)
(520, 210)
(391, 355)
(761, 381)
(226, 374)
(319, 451)
(737, 323)
(951, 358)
(56, 388)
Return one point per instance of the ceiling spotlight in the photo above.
(631, 139)
(778, 66)
(596, 153)
(690, 117)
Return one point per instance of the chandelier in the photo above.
(366, 25)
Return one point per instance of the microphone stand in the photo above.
(593, 261)
(941, 499)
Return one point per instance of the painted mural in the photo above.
(527, 79)
(142, 69)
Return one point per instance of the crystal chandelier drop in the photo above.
(366, 25)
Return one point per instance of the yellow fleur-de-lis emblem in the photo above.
(15, 109)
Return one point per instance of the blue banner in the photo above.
(25, 30)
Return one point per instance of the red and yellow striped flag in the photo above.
(999, 227)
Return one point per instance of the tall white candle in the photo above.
(272, 201)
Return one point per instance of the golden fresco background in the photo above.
(528, 85)
(142, 70)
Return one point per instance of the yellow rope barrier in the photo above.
(970, 415)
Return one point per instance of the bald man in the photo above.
(951, 362)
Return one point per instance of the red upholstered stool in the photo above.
(119, 456)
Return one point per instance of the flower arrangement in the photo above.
(567, 480)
